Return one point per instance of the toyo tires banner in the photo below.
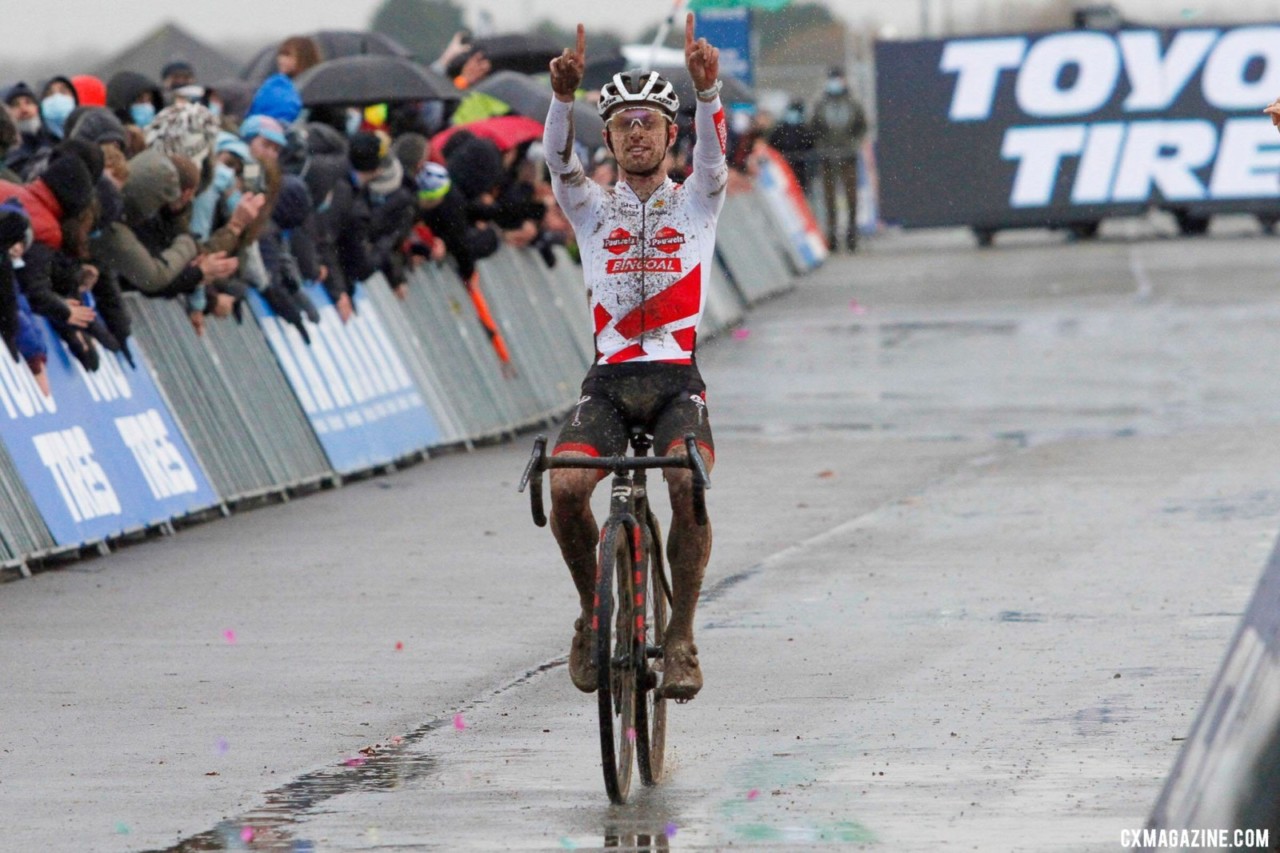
(1062, 127)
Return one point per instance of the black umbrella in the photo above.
(527, 53)
(333, 44)
(532, 98)
(372, 79)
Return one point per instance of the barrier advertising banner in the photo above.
(101, 454)
(1062, 127)
(352, 384)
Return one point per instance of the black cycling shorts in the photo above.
(667, 400)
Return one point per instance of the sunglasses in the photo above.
(637, 118)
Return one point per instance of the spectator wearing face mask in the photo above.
(134, 99)
(33, 137)
(839, 126)
(57, 100)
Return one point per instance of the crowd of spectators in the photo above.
(179, 190)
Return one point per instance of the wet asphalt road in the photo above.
(985, 522)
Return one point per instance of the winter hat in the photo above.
(96, 124)
(264, 126)
(186, 129)
(227, 141)
(89, 154)
(177, 66)
(365, 152)
(277, 97)
(409, 149)
(90, 91)
(72, 185)
(433, 182)
(293, 205)
(14, 224)
(18, 90)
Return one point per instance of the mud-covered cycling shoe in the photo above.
(682, 677)
(582, 661)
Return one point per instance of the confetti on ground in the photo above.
(229, 635)
(858, 307)
(631, 735)
(458, 722)
(246, 834)
(354, 762)
(742, 334)
(826, 475)
(122, 828)
(221, 746)
(670, 831)
(753, 793)
(399, 646)
(397, 740)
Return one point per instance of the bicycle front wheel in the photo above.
(616, 659)
(651, 710)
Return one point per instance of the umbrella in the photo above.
(333, 44)
(372, 79)
(527, 53)
(532, 98)
(505, 131)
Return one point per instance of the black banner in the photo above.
(1065, 127)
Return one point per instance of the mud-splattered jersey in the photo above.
(647, 264)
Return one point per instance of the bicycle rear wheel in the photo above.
(616, 659)
(651, 711)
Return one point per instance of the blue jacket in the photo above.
(277, 97)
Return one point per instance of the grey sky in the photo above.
(56, 28)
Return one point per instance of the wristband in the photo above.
(710, 92)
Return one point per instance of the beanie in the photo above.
(89, 154)
(69, 180)
(365, 152)
(409, 149)
(18, 90)
(433, 182)
(90, 91)
(186, 129)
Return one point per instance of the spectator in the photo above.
(278, 98)
(90, 90)
(443, 209)
(98, 125)
(348, 221)
(8, 139)
(22, 334)
(34, 138)
(134, 99)
(177, 74)
(392, 208)
(288, 254)
(839, 126)
(297, 54)
(793, 139)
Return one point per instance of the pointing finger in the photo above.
(688, 32)
(582, 43)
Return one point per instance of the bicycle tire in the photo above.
(615, 659)
(651, 710)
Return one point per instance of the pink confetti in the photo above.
(246, 834)
(858, 307)
(670, 831)
(221, 746)
(354, 762)
(458, 722)
(229, 635)
(741, 334)
(399, 646)
(397, 740)
(753, 793)
(631, 735)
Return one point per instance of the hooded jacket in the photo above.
(277, 97)
(125, 88)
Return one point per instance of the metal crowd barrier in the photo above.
(23, 532)
(228, 392)
(755, 261)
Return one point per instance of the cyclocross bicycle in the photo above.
(628, 623)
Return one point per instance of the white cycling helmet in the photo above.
(639, 89)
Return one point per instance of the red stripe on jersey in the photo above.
(602, 318)
(722, 131)
(677, 302)
(633, 351)
(686, 338)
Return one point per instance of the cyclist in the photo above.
(647, 247)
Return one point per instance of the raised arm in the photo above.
(710, 171)
(577, 196)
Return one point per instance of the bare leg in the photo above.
(574, 526)
(688, 549)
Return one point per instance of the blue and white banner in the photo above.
(101, 454)
(1058, 127)
(361, 401)
(730, 31)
